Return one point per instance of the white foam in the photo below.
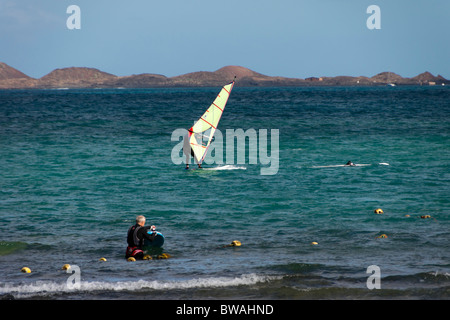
(226, 167)
(46, 288)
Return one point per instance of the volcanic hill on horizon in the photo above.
(83, 77)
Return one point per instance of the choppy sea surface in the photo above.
(77, 166)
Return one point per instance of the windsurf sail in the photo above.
(201, 134)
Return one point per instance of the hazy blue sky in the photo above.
(292, 38)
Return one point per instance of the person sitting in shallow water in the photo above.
(136, 236)
(350, 164)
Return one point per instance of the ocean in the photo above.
(77, 167)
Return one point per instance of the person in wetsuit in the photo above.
(189, 152)
(135, 238)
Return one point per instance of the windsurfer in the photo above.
(189, 152)
(194, 143)
(136, 236)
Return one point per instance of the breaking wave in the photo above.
(49, 288)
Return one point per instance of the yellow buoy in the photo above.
(378, 211)
(147, 257)
(164, 256)
(26, 270)
(102, 259)
(236, 243)
(131, 259)
(66, 267)
(407, 215)
(314, 243)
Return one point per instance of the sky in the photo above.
(290, 38)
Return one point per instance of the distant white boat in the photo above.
(390, 84)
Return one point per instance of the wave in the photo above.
(343, 165)
(355, 165)
(300, 282)
(50, 288)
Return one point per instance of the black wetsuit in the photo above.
(135, 240)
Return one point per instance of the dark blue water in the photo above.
(77, 166)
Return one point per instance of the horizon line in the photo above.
(236, 66)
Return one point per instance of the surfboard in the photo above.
(157, 242)
(226, 167)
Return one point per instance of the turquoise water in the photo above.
(77, 166)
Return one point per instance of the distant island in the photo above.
(81, 77)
